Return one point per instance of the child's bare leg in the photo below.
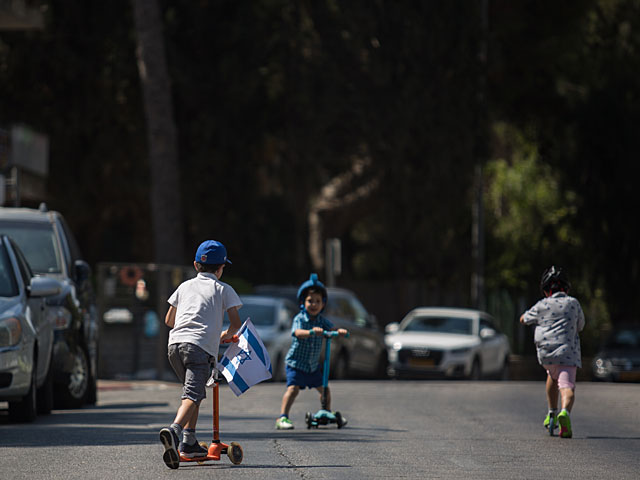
(568, 396)
(552, 393)
(288, 399)
(193, 420)
(186, 412)
(328, 406)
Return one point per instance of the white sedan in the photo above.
(447, 342)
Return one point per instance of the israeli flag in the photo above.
(247, 362)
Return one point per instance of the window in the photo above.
(440, 325)
(38, 243)
(8, 285)
(25, 270)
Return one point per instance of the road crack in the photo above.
(279, 448)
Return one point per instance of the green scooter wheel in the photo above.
(339, 420)
(308, 418)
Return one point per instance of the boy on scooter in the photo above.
(195, 317)
(302, 361)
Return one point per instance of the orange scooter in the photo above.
(216, 447)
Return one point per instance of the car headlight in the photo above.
(603, 366)
(460, 351)
(60, 317)
(10, 332)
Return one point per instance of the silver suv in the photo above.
(51, 250)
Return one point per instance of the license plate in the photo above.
(421, 362)
(629, 376)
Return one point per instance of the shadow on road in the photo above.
(223, 466)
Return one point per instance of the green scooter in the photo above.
(324, 416)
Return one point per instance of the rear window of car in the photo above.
(261, 315)
(627, 338)
(8, 285)
(38, 244)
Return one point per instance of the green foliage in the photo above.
(528, 214)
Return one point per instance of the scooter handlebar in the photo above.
(332, 333)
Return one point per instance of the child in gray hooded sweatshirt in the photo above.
(558, 318)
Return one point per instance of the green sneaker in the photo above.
(565, 424)
(283, 423)
(547, 420)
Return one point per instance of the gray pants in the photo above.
(193, 367)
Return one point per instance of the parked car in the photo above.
(363, 353)
(447, 342)
(26, 336)
(51, 250)
(619, 358)
(272, 318)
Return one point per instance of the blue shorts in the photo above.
(304, 379)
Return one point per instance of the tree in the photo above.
(166, 201)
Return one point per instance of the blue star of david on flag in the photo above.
(247, 362)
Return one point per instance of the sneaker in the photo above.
(341, 419)
(547, 420)
(283, 423)
(193, 451)
(565, 424)
(170, 441)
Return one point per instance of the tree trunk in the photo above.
(166, 213)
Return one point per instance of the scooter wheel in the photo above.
(235, 453)
(308, 418)
(339, 420)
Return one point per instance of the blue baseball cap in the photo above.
(211, 252)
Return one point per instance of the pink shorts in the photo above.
(564, 374)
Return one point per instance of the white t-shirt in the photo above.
(200, 305)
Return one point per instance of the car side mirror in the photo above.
(392, 327)
(44, 286)
(82, 271)
(487, 333)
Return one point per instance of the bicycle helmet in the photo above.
(314, 283)
(554, 279)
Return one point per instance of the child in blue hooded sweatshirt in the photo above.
(302, 361)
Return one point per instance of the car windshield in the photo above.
(439, 324)
(37, 242)
(261, 315)
(625, 338)
(8, 285)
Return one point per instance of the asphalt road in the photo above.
(397, 429)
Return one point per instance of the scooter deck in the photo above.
(215, 450)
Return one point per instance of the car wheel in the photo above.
(92, 391)
(25, 410)
(73, 392)
(341, 369)
(278, 370)
(383, 366)
(474, 374)
(504, 372)
(44, 397)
